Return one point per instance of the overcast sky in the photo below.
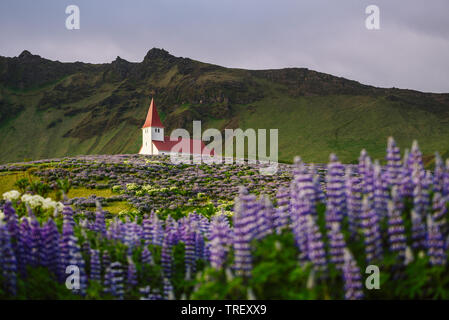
(411, 49)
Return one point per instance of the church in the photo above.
(154, 142)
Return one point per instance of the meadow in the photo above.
(140, 227)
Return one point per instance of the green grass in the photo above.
(116, 207)
(313, 127)
(8, 179)
(84, 192)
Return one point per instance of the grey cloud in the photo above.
(410, 50)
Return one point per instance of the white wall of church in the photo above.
(146, 142)
(157, 133)
(148, 135)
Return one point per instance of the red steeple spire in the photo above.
(153, 117)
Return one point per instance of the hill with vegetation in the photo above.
(53, 109)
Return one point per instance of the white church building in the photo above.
(154, 142)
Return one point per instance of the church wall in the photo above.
(157, 133)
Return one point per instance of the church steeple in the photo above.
(153, 119)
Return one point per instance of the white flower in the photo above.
(33, 201)
(11, 195)
(408, 255)
(2, 216)
(60, 206)
(48, 204)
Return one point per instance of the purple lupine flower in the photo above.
(157, 231)
(8, 210)
(50, 250)
(147, 257)
(100, 222)
(116, 230)
(281, 220)
(64, 249)
(203, 225)
(435, 243)
(24, 246)
(418, 231)
(362, 164)
(138, 231)
(406, 183)
(315, 245)
(353, 201)
(168, 290)
(438, 178)
(190, 253)
(181, 231)
(130, 237)
(155, 295)
(95, 265)
(421, 207)
(85, 248)
(202, 247)
(368, 179)
(147, 234)
(380, 196)
(303, 182)
(167, 256)
(264, 218)
(336, 245)
(176, 231)
(440, 212)
(8, 261)
(371, 231)
(75, 259)
(36, 243)
(172, 227)
(426, 183)
(394, 165)
(319, 193)
(67, 213)
(220, 238)
(206, 250)
(335, 186)
(352, 278)
(105, 261)
(249, 206)
(243, 233)
(114, 280)
(302, 203)
(131, 279)
(145, 293)
(301, 208)
(199, 245)
(396, 229)
(415, 158)
(12, 222)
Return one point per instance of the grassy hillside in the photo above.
(51, 109)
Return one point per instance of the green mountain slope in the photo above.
(52, 109)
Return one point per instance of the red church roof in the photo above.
(167, 145)
(153, 119)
